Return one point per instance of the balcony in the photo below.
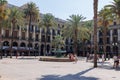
(53, 33)
(37, 31)
(31, 39)
(15, 37)
(100, 43)
(23, 38)
(6, 37)
(115, 34)
(108, 33)
(36, 39)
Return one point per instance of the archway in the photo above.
(36, 49)
(14, 48)
(101, 51)
(42, 49)
(22, 44)
(30, 48)
(48, 49)
(5, 48)
(5, 43)
(15, 44)
(22, 48)
(108, 50)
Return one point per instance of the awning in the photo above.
(8, 48)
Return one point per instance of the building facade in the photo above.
(23, 41)
(112, 40)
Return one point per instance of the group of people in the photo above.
(115, 59)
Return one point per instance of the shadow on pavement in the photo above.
(77, 76)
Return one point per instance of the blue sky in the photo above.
(64, 8)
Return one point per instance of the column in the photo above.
(33, 34)
(111, 36)
(20, 33)
(118, 41)
(118, 34)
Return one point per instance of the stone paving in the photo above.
(33, 69)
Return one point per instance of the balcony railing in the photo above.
(10, 37)
(36, 39)
(23, 38)
(31, 39)
(115, 33)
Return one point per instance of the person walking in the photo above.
(103, 59)
(116, 61)
(75, 58)
(87, 56)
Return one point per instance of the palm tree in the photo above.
(58, 42)
(15, 18)
(95, 8)
(3, 10)
(75, 30)
(47, 22)
(89, 25)
(32, 15)
(3, 16)
(115, 8)
(105, 18)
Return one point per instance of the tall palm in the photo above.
(32, 15)
(115, 8)
(105, 18)
(95, 8)
(47, 22)
(74, 29)
(15, 18)
(3, 16)
(89, 25)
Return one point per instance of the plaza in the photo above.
(33, 69)
(39, 45)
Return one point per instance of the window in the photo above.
(115, 39)
(36, 37)
(48, 39)
(15, 34)
(58, 32)
(23, 35)
(114, 23)
(108, 40)
(43, 38)
(6, 33)
(100, 41)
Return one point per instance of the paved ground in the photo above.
(32, 69)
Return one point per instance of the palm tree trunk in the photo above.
(45, 41)
(29, 34)
(104, 38)
(1, 42)
(12, 40)
(95, 32)
(75, 42)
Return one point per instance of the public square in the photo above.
(30, 68)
